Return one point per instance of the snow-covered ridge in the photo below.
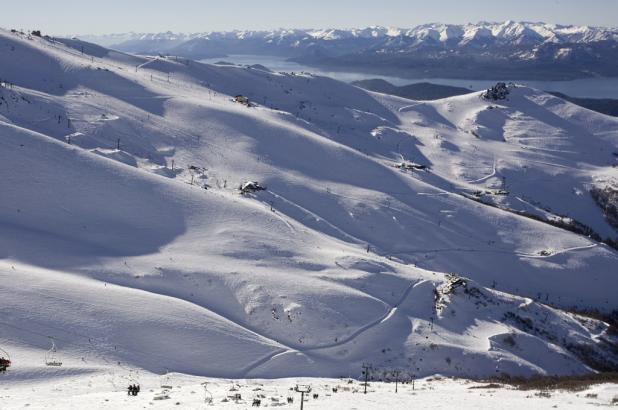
(434, 236)
(482, 50)
(508, 31)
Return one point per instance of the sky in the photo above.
(61, 17)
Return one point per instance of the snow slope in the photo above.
(124, 236)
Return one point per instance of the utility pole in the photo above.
(366, 368)
(396, 373)
(302, 389)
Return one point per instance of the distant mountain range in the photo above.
(514, 50)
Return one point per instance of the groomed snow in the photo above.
(124, 237)
(105, 390)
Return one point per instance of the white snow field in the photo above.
(124, 238)
(105, 391)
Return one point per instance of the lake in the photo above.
(588, 87)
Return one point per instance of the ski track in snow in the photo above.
(389, 313)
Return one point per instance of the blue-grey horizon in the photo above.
(114, 16)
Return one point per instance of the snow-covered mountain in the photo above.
(483, 50)
(509, 32)
(458, 236)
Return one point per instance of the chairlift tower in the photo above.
(396, 372)
(366, 367)
(302, 389)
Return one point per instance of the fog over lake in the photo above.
(588, 87)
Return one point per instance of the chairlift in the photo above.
(208, 399)
(51, 358)
(166, 383)
(5, 360)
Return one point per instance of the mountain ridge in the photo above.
(504, 30)
(430, 91)
(485, 50)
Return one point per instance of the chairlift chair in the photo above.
(51, 355)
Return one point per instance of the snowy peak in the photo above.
(484, 50)
(508, 31)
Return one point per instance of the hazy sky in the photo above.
(110, 16)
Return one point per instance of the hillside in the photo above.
(605, 106)
(429, 92)
(124, 236)
(416, 91)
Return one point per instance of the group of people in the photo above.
(133, 389)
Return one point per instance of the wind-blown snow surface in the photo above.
(105, 391)
(111, 244)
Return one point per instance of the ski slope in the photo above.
(124, 237)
